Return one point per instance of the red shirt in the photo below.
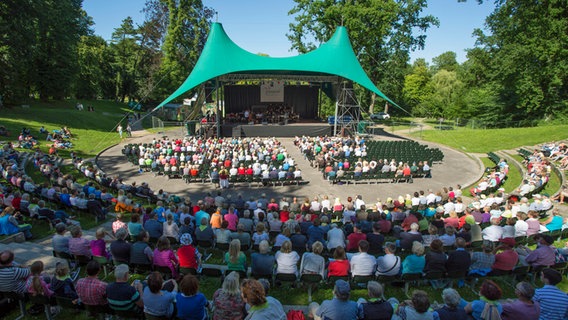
(284, 216)
(227, 163)
(506, 260)
(354, 239)
(408, 221)
(338, 268)
(249, 172)
(186, 256)
(241, 171)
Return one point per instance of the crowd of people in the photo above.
(273, 113)
(216, 160)
(337, 157)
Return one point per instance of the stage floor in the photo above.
(276, 130)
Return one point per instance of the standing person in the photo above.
(128, 131)
(119, 130)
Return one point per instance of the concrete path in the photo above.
(457, 168)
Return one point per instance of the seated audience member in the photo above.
(313, 262)
(261, 306)
(141, 253)
(98, 246)
(204, 232)
(153, 226)
(553, 301)
(118, 223)
(451, 309)
(262, 261)
(241, 235)
(488, 305)
(170, 228)
(431, 236)
(134, 226)
(494, 232)
(407, 238)
(340, 307)
(281, 238)
(482, 261)
(227, 300)
(260, 234)
(299, 241)
(36, 285)
(78, 245)
(418, 307)
(9, 224)
(188, 255)
(339, 266)
(389, 264)
(157, 301)
(335, 237)
(122, 296)
(543, 255)
(449, 237)
(554, 221)
(435, 258)
(376, 307)
(524, 307)
(286, 259)
(459, 260)
(235, 259)
(415, 262)
(61, 284)
(191, 304)
(362, 263)
(506, 257)
(354, 238)
(164, 256)
(375, 239)
(120, 249)
(315, 233)
(59, 241)
(91, 290)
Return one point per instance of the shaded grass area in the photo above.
(93, 131)
(483, 141)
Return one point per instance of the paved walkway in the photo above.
(457, 168)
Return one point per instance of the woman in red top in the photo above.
(339, 267)
(188, 255)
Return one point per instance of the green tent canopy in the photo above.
(222, 56)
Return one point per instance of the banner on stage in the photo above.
(272, 91)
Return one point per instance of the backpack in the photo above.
(490, 312)
(295, 315)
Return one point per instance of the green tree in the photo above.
(126, 51)
(91, 61)
(526, 45)
(382, 34)
(187, 29)
(446, 61)
(417, 88)
(445, 100)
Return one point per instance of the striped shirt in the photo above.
(122, 296)
(553, 303)
(13, 279)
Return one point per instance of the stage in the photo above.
(276, 130)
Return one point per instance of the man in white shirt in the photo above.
(521, 226)
(359, 202)
(494, 232)
(362, 263)
(431, 197)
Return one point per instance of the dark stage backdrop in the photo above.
(303, 99)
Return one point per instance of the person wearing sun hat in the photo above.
(188, 255)
(506, 259)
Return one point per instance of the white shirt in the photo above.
(287, 262)
(362, 264)
(521, 228)
(388, 265)
(492, 233)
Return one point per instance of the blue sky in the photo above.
(261, 25)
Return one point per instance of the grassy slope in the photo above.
(483, 141)
(94, 131)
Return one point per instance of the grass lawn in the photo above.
(93, 131)
(483, 141)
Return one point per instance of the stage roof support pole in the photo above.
(218, 113)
